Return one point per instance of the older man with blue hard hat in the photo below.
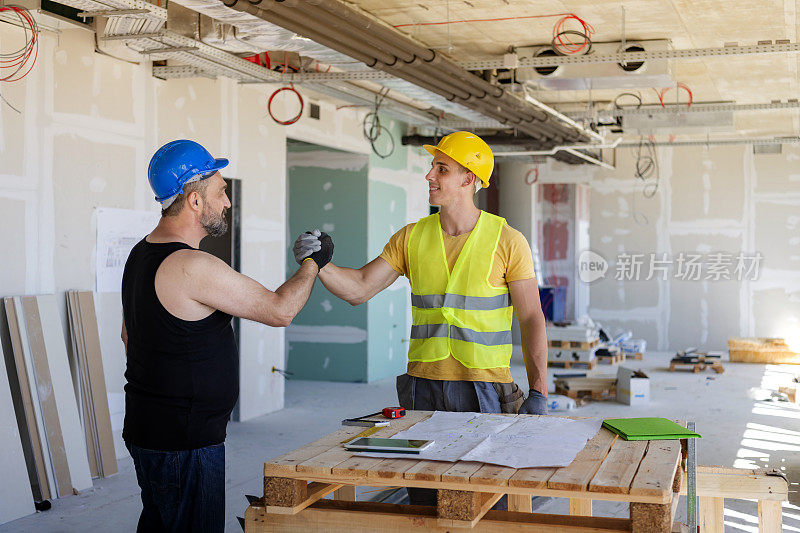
(182, 361)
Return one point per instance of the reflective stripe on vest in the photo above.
(486, 338)
(459, 301)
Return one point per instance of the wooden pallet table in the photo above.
(575, 345)
(698, 366)
(638, 355)
(610, 359)
(645, 474)
(569, 364)
(597, 389)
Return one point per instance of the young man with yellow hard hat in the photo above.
(469, 271)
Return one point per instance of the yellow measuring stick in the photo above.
(366, 433)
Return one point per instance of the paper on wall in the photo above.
(516, 442)
(118, 230)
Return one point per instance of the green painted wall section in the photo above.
(333, 200)
(387, 344)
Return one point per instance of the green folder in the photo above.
(648, 429)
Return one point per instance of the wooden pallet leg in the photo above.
(520, 502)
(651, 517)
(346, 493)
(769, 516)
(284, 492)
(460, 508)
(711, 512)
(580, 507)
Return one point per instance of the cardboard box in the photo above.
(633, 387)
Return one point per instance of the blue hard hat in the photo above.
(177, 162)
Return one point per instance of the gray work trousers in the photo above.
(439, 395)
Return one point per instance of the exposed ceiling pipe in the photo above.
(555, 149)
(495, 140)
(588, 158)
(340, 37)
(546, 108)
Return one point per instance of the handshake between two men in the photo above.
(314, 245)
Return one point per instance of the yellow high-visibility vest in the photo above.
(458, 312)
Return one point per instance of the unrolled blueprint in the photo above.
(516, 442)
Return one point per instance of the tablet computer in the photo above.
(372, 444)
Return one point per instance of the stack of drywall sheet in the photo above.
(15, 501)
(91, 383)
(58, 461)
(572, 343)
(573, 333)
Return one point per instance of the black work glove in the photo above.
(324, 255)
(534, 404)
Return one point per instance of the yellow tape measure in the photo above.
(366, 433)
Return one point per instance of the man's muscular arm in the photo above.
(356, 286)
(213, 283)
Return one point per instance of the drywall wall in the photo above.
(328, 190)
(88, 126)
(710, 201)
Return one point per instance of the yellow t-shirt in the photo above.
(512, 262)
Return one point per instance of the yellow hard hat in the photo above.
(469, 150)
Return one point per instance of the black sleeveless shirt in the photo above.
(182, 376)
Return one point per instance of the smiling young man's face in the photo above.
(447, 180)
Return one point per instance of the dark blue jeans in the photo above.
(439, 395)
(181, 491)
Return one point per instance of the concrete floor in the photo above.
(739, 429)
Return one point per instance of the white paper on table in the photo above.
(536, 442)
(522, 442)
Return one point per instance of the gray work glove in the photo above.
(534, 404)
(306, 244)
(324, 255)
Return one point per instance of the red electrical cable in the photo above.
(566, 46)
(679, 85)
(18, 60)
(292, 120)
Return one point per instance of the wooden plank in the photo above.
(492, 475)
(577, 475)
(345, 493)
(359, 467)
(366, 517)
(769, 516)
(391, 468)
(288, 462)
(63, 391)
(315, 492)
(580, 507)
(620, 465)
(97, 382)
(711, 514)
(520, 503)
(657, 470)
(47, 400)
(30, 411)
(459, 473)
(531, 477)
(84, 392)
(427, 470)
(738, 483)
(463, 509)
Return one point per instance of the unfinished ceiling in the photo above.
(438, 40)
(687, 24)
